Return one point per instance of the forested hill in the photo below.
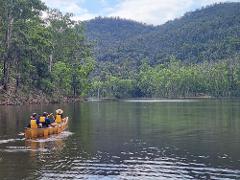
(209, 34)
(110, 35)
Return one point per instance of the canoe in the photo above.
(33, 133)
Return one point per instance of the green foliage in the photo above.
(174, 79)
(195, 55)
(208, 34)
(70, 54)
(62, 77)
(50, 55)
(46, 85)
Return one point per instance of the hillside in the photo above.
(208, 34)
(110, 35)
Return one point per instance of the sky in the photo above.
(154, 12)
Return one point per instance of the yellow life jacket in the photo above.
(58, 118)
(33, 123)
(42, 119)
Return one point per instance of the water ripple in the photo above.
(138, 169)
(4, 141)
(53, 138)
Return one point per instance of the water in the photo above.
(130, 139)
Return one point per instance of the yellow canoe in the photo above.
(31, 133)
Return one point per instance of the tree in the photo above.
(15, 15)
(70, 47)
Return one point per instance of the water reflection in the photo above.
(160, 100)
(128, 140)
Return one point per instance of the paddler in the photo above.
(44, 120)
(59, 116)
(33, 121)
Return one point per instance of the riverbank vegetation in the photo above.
(42, 56)
(173, 79)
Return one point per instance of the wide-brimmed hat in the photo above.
(59, 111)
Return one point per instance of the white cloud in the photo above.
(148, 11)
(84, 17)
(156, 11)
(152, 12)
(71, 6)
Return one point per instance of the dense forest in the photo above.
(41, 57)
(45, 55)
(208, 34)
(174, 79)
(195, 55)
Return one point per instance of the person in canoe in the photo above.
(59, 116)
(45, 120)
(34, 121)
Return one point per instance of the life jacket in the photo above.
(33, 123)
(42, 119)
(58, 118)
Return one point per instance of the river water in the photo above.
(128, 139)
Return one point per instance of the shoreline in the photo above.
(39, 101)
(92, 99)
(21, 98)
(32, 99)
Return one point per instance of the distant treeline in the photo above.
(170, 80)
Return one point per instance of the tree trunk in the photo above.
(74, 85)
(6, 63)
(5, 74)
(50, 62)
(231, 87)
(98, 93)
(18, 72)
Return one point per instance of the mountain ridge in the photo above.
(208, 34)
